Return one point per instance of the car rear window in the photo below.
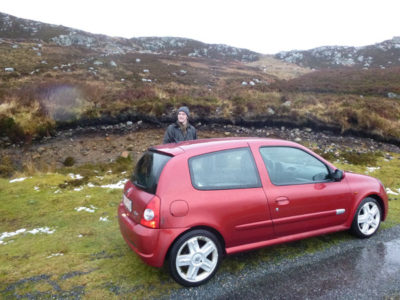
(227, 169)
(148, 171)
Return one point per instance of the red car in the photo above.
(193, 202)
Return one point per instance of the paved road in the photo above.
(355, 269)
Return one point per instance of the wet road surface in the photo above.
(354, 269)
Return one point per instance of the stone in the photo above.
(113, 64)
(130, 147)
(270, 111)
(393, 95)
(138, 60)
(9, 69)
(227, 133)
(125, 154)
(41, 150)
(129, 123)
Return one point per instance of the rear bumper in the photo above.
(150, 244)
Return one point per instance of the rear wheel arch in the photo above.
(207, 228)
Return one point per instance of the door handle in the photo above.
(282, 200)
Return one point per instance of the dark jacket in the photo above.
(174, 134)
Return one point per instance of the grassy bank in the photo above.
(72, 247)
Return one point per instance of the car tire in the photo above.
(195, 257)
(367, 218)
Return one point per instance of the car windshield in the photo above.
(148, 171)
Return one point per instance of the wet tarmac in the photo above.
(370, 272)
(354, 269)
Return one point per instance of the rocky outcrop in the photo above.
(381, 55)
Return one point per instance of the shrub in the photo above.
(69, 161)
(6, 167)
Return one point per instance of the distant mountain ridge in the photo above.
(16, 28)
(381, 55)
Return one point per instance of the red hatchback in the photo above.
(193, 202)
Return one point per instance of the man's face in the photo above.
(182, 117)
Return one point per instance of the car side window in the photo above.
(288, 165)
(227, 169)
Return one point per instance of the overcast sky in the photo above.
(267, 26)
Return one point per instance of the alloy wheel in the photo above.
(369, 217)
(196, 259)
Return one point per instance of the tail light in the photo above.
(151, 214)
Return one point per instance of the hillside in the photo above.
(54, 76)
(381, 55)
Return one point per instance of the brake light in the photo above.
(151, 214)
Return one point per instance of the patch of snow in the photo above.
(78, 189)
(18, 179)
(58, 191)
(87, 209)
(119, 185)
(103, 219)
(372, 169)
(36, 188)
(77, 176)
(390, 192)
(23, 230)
(80, 235)
(55, 254)
(41, 230)
(90, 185)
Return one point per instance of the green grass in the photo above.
(88, 256)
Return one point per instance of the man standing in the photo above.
(181, 130)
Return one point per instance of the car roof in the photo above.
(208, 145)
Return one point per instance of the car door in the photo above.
(227, 191)
(301, 194)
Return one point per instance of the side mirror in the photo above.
(338, 175)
